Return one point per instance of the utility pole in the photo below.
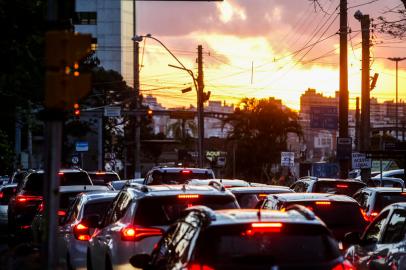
(200, 104)
(137, 130)
(357, 123)
(396, 60)
(343, 102)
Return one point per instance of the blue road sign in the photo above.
(82, 146)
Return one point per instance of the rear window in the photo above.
(232, 247)
(167, 209)
(332, 213)
(67, 198)
(103, 178)
(177, 177)
(98, 208)
(338, 187)
(385, 199)
(35, 181)
(250, 200)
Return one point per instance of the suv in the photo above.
(139, 216)
(341, 213)
(327, 185)
(29, 194)
(103, 178)
(245, 239)
(383, 244)
(175, 175)
(374, 199)
(250, 197)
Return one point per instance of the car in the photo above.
(175, 175)
(67, 195)
(383, 244)
(227, 183)
(374, 199)
(386, 182)
(140, 214)
(327, 185)
(103, 177)
(245, 239)
(18, 176)
(250, 197)
(6, 192)
(79, 224)
(23, 205)
(342, 214)
(399, 173)
(118, 185)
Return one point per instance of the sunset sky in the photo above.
(275, 37)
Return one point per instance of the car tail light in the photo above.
(100, 173)
(262, 195)
(186, 171)
(26, 198)
(135, 233)
(60, 173)
(1, 195)
(81, 232)
(323, 203)
(346, 265)
(264, 227)
(61, 213)
(188, 196)
(342, 186)
(196, 266)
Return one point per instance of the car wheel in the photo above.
(88, 261)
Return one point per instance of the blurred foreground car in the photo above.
(341, 213)
(245, 239)
(373, 200)
(383, 244)
(328, 185)
(79, 224)
(250, 197)
(140, 215)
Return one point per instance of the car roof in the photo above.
(69, 170)
(178, 169)
(258, 189)
(331, 180)
(76, 188)
(99, 195)
(292, 197)
(172, 190)
(225, 182)
(101, 172)
(384, 189)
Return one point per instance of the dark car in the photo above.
(328, 185)
(250, 197)
(374, 199)
(383, 244)
(245, 239)
(24, 204)
(103, 178)
(175, 175)
(341, 213)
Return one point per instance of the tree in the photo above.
(260, 129)
(393, 21)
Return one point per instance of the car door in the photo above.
(363, 252)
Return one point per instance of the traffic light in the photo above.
(64, 83)
(150, 113)
(76, 110)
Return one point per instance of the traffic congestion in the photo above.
(185, 218)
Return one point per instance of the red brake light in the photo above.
(134, 233)
(186, 171)
(188, 196)
(61, 213)
(342, 186)
(100, 173)
(81, 232)
(262, 195)
(196, 266)
(27, 198)
(323, 203)
(346, 265)
(60, 173)
(263, 227)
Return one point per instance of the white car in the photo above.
(399, 173)
(78, 226)
(140, 214)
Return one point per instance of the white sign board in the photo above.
(360, 161)
(288, 159)
(112, 111)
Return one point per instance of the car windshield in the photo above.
(103, 178)
(167, 209)
(338, 187)
(240, 247)
(387, 198)
(250, 200)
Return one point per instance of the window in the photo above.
(374, 231)
(121, 207)
(395, 231)
(86, 18)
(298, 187)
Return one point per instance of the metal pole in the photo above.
(137, 135)
(357, 125)
(343, 102)
(200, 108)
(100, 143)
(396, 104)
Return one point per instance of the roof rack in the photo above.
(309, 215)
(217, 185)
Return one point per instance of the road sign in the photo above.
(324, 117)
(112, 111)
(82, 146)
(344, 148)
(360, 161)
(288, 159)
(75, 160)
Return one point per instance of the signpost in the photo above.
(287, 159)
(360, 161)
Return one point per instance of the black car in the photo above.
(342, 214)
(374, 199)
(175, 175)
(29, 194)
(383, 244)
(251, 197)
(328, 185)
(245, 239)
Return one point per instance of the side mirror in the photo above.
(141, 261)
(352, 238)
(92, 221)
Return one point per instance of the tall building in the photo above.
(111, 24)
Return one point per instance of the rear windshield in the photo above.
(232, 247)
(385, 199)
(35, 181)
(103, 179)
(165, 210)
(67, 198)
(338, 187)
(177, 177)
(250, 200)
(332, 213)
(92, 208)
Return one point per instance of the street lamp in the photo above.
(200, 117)
(397, 60)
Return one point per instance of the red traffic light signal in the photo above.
(76, 110)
